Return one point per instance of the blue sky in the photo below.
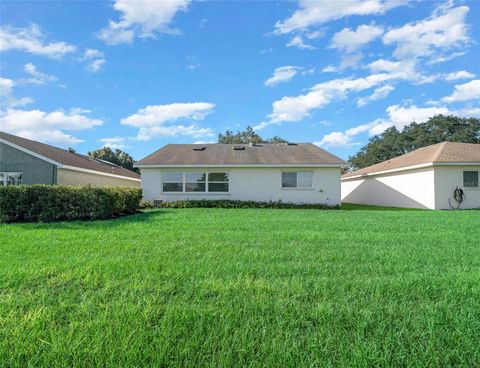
(139, 75)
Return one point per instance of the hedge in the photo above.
(242, 204)
(27, 203)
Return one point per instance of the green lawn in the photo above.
(249, 288)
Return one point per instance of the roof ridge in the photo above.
(440, 151)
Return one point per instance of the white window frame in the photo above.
(227, 173)
(478, 179)
(6, 173)
(296, 187)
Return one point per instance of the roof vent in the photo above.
(291, 144)
(238, 148)
(251, 144)
(199, 148)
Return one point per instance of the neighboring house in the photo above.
(23, 161)
(296, 173)
(424, 178)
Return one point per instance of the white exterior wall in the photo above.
(406, 189)
(447, 179)
(258, 184)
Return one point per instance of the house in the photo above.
(424, 178)
(296, 173)
(23, 161)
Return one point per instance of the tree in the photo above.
(392, 143)
(246, 136)
(117, 157)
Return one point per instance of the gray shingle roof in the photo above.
(445, 152)
(225, 154)
(67, 158)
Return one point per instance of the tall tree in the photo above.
(247, 136)
(392, 143)
(117, 157)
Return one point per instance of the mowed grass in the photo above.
(244, 288)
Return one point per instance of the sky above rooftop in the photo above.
(139, 75)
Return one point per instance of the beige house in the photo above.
(295, 173)
(23, 161)
(425, 178)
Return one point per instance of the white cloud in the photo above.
(378, 94)
(154, 120)
(349, 40)
(297, 41)
(334, 139)
(6, 94)
(312, 13)
(114, 142)
(282, 74)
(329, 69)
(398, 116)
(92, 54)
(36, 77)
(298, 107)
(95, 60)
(32, 40)
(444, 30)
(465, 92)
(461, 74)
(47, 126)
(96, 65)
(142, 19)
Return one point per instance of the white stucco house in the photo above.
(424, 178)
(295, 173)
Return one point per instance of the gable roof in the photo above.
(240, 154)
(445, 152)
(61, 157)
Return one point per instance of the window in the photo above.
(10, 178)
(218, 182)
(297, 179)
(173, 182)
(195, 182)
(470, 179)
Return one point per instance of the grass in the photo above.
(247, 288)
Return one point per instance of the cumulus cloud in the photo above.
(6, 95)
(95, 60)
(461, 74)
(378, 94)
(282, 74)
(156, 120)
(33, 41)
(47, 126)
(349, 40)
(398, 116)
(299, 107)
(36, 77)
(298, 42)
(312, 13)
(465, 92)
(445, 29)
(141, 19)
(114, 142)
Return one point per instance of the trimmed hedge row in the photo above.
(26, 203)
(242, 204)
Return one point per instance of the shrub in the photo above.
(186, 203)
(54, 203)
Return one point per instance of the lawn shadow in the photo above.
(139, 217)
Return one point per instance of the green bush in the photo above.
(46, 203)
(242, 204)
